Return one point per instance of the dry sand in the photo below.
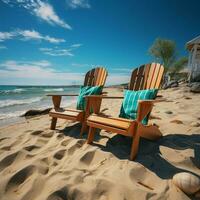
(39, 164)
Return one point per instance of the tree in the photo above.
(165, 52)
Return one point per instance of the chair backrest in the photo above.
(147, 76)
(96, 77)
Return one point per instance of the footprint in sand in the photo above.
(75, 145)
(8, 160)
(6, 148)
(59, 154)
(47, 134)
(36, 132)
(59, 194)
(65, 142)
(2, 139)
(32, 148)
(88, 157)
(60, 136)
(19, 178)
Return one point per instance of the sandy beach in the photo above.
(37, 163)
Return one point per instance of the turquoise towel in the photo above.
(130, 103)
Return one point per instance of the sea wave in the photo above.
(18, 90)
(11, 102)
(54, 89)
(11, 115)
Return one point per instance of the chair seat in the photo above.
(119, 123)
(71, 114)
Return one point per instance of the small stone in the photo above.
(195, 124)
(187, 98)
(154, 117)
(195, 87)
(169, 112)
(176, 121)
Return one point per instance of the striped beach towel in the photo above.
(129, 105)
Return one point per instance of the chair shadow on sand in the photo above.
(149, 154)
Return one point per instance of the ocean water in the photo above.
(16, 100)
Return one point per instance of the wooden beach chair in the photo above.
(94, 77)
(147, 76)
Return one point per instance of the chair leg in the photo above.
(83, 128)
(135, 145)
(91, 135)
(53, 123)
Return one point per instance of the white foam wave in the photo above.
(18, 90)
(54, 89)
(11, 102)
(10, 115)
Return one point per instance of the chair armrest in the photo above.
(103, 97)
(144, 108)
(66, 95)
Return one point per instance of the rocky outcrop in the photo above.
(171, 84)
(195, 87)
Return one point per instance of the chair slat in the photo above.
(155, 76)
(98, 76)
(95, 77)
(147, 76)
(133, 79)
(150, 75)
(101, 75)
(160, 76)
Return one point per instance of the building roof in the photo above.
(191, 43)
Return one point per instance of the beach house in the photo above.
(193, 46)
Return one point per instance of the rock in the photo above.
(195, 124)
(176, 121)
(169, 112)
(171, 84)
(195, 87)
(185, 97)
(182, 80)
(187, 182)
(30, 113)
(197, 195)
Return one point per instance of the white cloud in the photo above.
(42, 72)
(42, 10)
(56, 51)
(46, 12)
(3, 47)
(75, 45)
(31, 34)
(6, 36)
(78, 4)
(60, 52)
(28, 35)
(35, 72)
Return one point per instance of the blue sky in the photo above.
(55, 42)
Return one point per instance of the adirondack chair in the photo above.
(147, 76)
(94, 77)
